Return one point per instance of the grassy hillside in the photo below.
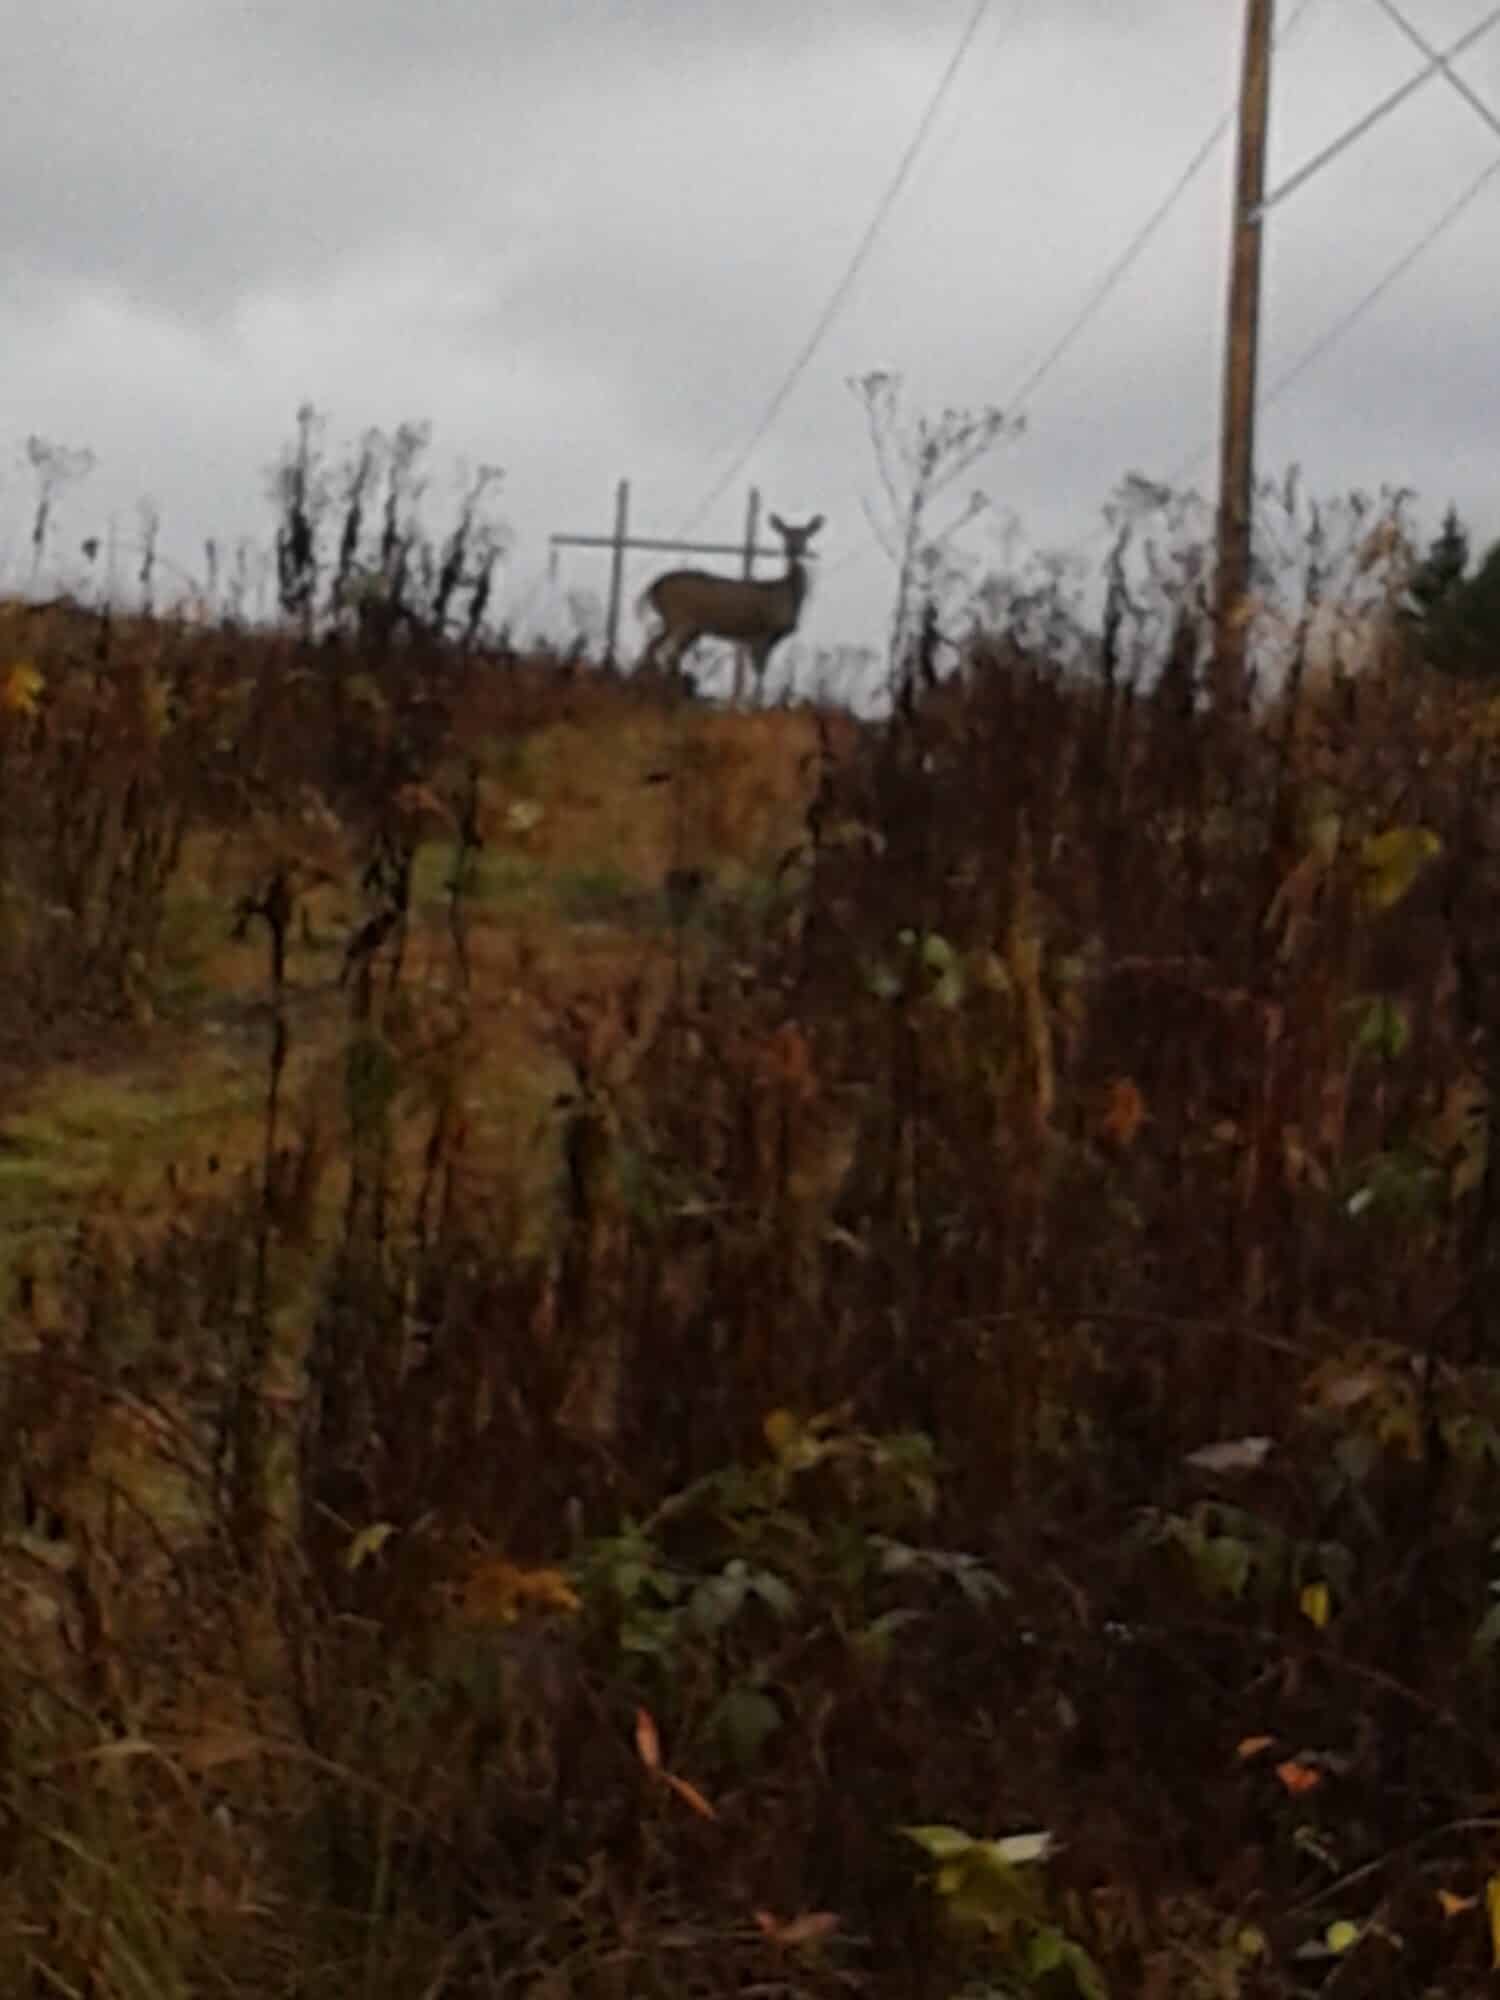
(657, 1352)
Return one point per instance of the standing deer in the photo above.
(690, 605)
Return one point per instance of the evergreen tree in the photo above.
(1467, 631)
(1454, 615)
(1441, 570)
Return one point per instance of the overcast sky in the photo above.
(586, 238)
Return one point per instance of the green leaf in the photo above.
(1383, 1030)
(718, 1600)
(943, 1843)
(985, 1884)
(1487, 1637)
(1223, 1563)
(875, 1642)
(1020, 1850)
(774, 1592)
(744, 1721)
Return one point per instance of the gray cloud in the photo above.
(587, 239)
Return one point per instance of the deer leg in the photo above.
(760, 659)
(679, 653)
(662, 652)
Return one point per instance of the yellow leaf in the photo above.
(21, 689)
(1492, 1911)
(361, 688)
(781, 1430)
(155, 706)
(1390, 862)
(1251, 1746)
(1325, 835)
(1340, 1936)
(1315, 1604)
(367, 1544)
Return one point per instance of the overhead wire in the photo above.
(1335, 332)
(1138, 243)
(1444, 60)
(1439, 227)
(1437, 64)
(1104, 289)
(855, 264)
(1330, 336)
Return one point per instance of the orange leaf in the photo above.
(1124, 1112)
(1298, 1778)
(215, 1747)
(647, 1742)
(814, 1927)
(1251, 1746)
(690, 1796)
(787, 1058)
(1455, 1906)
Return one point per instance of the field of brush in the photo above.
(658, 1352)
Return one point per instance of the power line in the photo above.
(1334, 333)
(1443, 62)
(1122, 264)
(851, 271)
(1378, 290)
(1138, 243)
(1436, 64)
(1117, 271)
(954, 122)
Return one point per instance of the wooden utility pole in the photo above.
(617, 574)
(752, 531)
(1241, 359)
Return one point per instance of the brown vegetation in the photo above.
(610, 1308)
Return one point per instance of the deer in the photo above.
(691, 604)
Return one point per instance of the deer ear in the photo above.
(777, 523)
(814, 524)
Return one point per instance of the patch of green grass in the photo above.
(509, 880)
(495, 880)
(507, 759)
(512, 884)
(81, 1133)
(592, 894)
(194, 927)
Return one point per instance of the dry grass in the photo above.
(604, 1313)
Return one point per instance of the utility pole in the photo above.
(617, 573)
(1241, 360)
(752, 531)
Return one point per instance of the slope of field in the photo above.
(660, 1353)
